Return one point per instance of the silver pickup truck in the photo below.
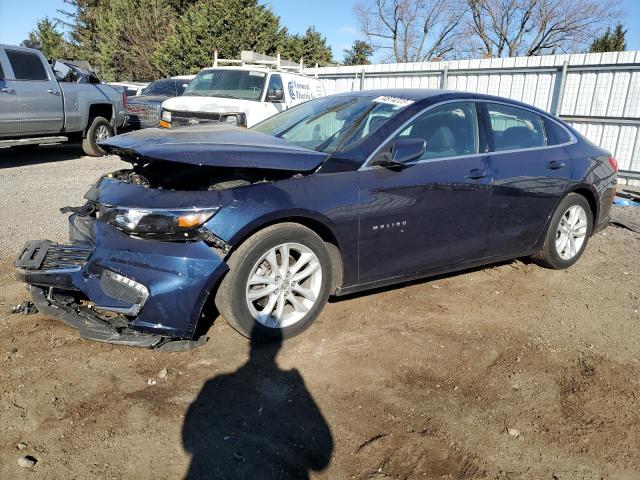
(64, 101)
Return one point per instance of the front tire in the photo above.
(278, 283)
(100, 129)
(568, 233)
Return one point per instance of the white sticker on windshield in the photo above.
(257, 74)
(398, 102)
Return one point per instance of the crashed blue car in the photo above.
(337, 195)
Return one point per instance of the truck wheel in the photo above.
(100, 129)
(278, 282)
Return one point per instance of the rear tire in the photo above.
(100, 129)
(568, 233)
(292, 298)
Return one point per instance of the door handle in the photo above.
(477, 174)
(53, 92)
(10, 91)
(555, 165)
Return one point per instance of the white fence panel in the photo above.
(599, 94)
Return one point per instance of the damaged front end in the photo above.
(144, 255)
(118, 288)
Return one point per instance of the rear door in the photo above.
(39, 96)
(530, 176)
(9, 116)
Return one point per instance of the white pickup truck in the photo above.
(244, 94)
(65, 101)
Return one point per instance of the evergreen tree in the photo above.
(610, 41)
(48, 39)
(311, 47)
(82, 20)
(228, 26)
(358, 54)
(126, 48)
(316, 49)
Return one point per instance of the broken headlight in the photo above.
(178, 223)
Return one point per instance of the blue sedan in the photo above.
(337, 195)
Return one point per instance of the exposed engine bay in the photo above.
(186, 177)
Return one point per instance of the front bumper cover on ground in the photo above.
(119, 289)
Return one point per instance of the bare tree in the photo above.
(508, 28)
(411, 30)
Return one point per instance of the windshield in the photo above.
(240, 84)
(161, 87)
(329, 124)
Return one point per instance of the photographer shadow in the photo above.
(259, 422)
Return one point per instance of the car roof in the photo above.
(18, 47)
(415, 94)
(422, 94)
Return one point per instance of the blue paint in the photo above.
(390, 224)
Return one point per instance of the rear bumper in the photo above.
(151, 287)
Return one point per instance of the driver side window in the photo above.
(450, 130)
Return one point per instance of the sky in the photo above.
(333, 18)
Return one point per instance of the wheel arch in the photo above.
(587, 192)
(98, 110)
(314, 223)
(581, 189)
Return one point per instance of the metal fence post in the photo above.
(560, 93)
(362, 79)
(445, 77)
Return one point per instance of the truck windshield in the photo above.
(161, 87)
(329, 124)
(240, 84)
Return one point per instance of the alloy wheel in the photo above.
(571, 233)
(102, 133)
(284, 285)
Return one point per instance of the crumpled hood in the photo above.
(214, 146)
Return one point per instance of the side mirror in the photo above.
(275, 95)
(402, 151)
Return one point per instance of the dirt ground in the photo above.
(507, 372)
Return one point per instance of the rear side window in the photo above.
(515, 128)
(1, 73)
(26, 66)
(556, 135)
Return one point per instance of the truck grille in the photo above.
(193, 118)
(140, 115)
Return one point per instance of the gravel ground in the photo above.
(507, 372)
(35, 185)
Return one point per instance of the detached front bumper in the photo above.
(120, 289)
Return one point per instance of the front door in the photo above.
(39, 97)
(9, 116)
(431, 213)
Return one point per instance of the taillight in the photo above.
(614, 164)
(125, 98)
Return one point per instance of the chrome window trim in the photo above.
(572, 138)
